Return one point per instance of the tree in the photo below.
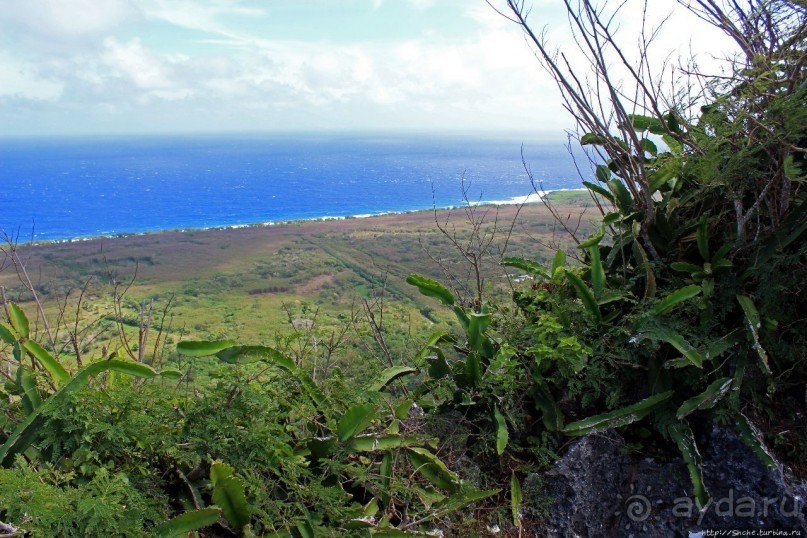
(703, 212)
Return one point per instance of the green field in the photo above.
(251, 284)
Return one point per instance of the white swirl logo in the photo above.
(638, 508)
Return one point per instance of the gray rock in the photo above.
(598, 491)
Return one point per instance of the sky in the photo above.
(74, 67)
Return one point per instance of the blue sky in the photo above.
(136, 66)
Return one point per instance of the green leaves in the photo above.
(585, 295)
(754, 324)
(228, 352)
(617, 418)
(25, 432)
(673, 299)
(228, 493)
(356, 419)
(702, 238)
(685, 440)
(203, 348)
(7, 334)
(251, 354)
(528, 266)
(502, 434)
(678, 342)
(188, 522)
(594, 239)
(432, 469)
(391, 374)
(646, 123)
(602, 173)
(705, 400)
(516, 497)
(597, 271)
(18, 320)
(431, 288)
(591, 139)
(51, 365)
(753, 438)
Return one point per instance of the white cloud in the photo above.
(483, 78)
(61, 20)
(130, 60)
(22, 80)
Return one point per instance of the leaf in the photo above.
(649, 275)
(682, 435)
(170, 373)
(617, 418)
(605, 193)
(30, 393)
(219, 471)
(251, 354)
(595, 239)
(678, 342)
(237, 354)
(188, 522)
(228, 493)
(624, 201)
(602, 173)
(462, 317)
(460, 499)
(545, 402)
(754, 324)
(373, 442)
(649, 146)
(589, 139)
(306, 529)
(203, 348)
(675, 298)
(528, 266)
(478, 324)
(658, 178)
(436, 338)
(702, 238)
(559, 261)
(515, 499)
(686, 267)
(675, 146)
(132, 368)
(434, 470)
(391, 374)
(356, 419)
(51, 365)
(431, 288)
(672, 122)
(646, 123)
(25, 432)
(502, 434)
(597, 272)
(385, 469)
(753, 438)
(18, 320)
(705, 400)
(473, 370)
(7, 334)
(585, 295)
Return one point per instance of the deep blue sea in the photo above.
(71, 188)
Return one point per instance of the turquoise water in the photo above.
(69, 188)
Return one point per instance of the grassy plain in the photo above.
(250, 284)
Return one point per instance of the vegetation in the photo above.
(679, 309)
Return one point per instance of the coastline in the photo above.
(530, 199)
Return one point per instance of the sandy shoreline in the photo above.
(531, 199)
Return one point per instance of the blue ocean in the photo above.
(55, 189)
